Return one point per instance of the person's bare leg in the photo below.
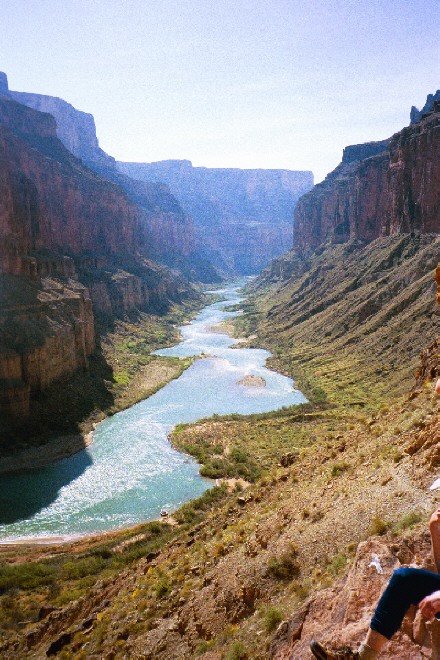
(373, 645)
(368, 650)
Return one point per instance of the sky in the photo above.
(229, 83)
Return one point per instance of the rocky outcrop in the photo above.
(49, 200)
(347, 205)
(75, 129)
(4, 89)
(340, 616)
(356, 152)
(414, 177)
(416, 114)
(241, 217)
(46, 332)
(379, 189)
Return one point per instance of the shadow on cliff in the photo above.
(62, 408)
(24, 495)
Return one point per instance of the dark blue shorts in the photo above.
(408, 586)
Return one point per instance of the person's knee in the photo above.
(405, 574)
(403, 577)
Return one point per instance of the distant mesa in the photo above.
(242, 217)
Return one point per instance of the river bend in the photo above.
(131, 472)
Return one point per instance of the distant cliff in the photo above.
(242, 217)
(379, 189)
(417, 114)
(68, 248)
(166, 233)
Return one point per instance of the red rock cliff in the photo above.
(166, 233)
(50, 201)
(68, 247)
(379, 189)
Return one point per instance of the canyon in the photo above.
(255, 568)
(243, 218)
(206, 222)
(69, 251)
(83, 241)
(165, 232)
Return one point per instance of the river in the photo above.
(131, 472)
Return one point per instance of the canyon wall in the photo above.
(379, 189)
(49, 200)
(165, 232)
(232, 221)
(69, 244)
(242, 218)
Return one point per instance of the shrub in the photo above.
(237, 652)
(338, 469)
(378, 527)
(408, 520)
(337, 564)
(283, 566)
(272, 618)
(203, 647)
(163, 587)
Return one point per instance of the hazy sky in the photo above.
(229, 83)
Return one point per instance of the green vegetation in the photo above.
(248, 446)
(242, 560)
(237, 652)
(69, 574)
(121, 372)
(337, 564)
(407, 521)
(378, 526)
(284, 566)
(193, 512)
(272, 617)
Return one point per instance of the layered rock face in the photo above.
(379, 189)
(242, 217)
(68, 248)
(166, 233)
(46, 332)
(49, 200)
(414, 176)
(75, 129)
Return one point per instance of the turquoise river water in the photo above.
(131, 472)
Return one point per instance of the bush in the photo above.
(271, 619)
(338, 469)
(408, 520)
(378, 527)
(163, 587)
(337, 564)
(283, 566)
(203, 647)
(237, 652)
